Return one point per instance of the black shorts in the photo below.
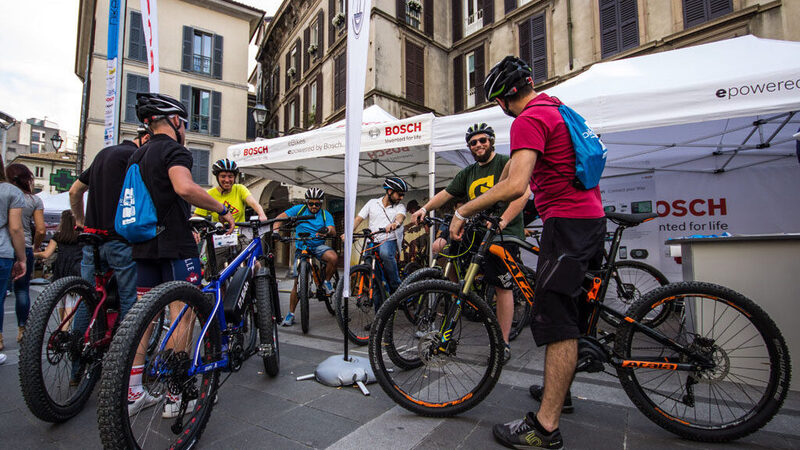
(152, 272)
(495, 271)
(570, 248)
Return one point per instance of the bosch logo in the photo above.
(403, 129)
(695, 207)
(260, 150)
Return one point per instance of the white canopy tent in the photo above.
(315, 158)
(709, 108)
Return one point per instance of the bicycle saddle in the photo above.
(630, 220)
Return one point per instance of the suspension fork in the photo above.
(454, 311)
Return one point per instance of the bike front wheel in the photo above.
(267, 327)
(751, 371)
(303, 286)
(57, 372)
(365, 296)
(171, 405)
(411, 368)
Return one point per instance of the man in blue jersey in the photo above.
(321, 226)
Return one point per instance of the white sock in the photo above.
(135, 384)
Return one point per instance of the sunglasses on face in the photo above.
(315, 204)
(185, 122)
(474, 142)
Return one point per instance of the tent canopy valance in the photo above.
(710, 108)
(315, 158)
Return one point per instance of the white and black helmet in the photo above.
(479, 128)
(396, 184)
(225, 165)
(315, 194)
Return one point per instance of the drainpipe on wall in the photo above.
(569, 31)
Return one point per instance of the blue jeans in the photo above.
(5, 275)
(117, 256)
(387, 252)
(22, 291)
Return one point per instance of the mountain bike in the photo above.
(716, 368)
(58, 367)
(310, 278)
(367, 290)
(458, 256)
(207, 336)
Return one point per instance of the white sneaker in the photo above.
(3, 358)
(173, 408)
(138, 401)
(288, 320)
(328, 288)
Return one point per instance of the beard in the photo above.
(486, 155)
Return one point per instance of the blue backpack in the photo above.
(136, 218)
(590, 152)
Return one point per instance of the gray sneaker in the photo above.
(523, 433)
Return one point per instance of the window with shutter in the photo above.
(297, 59)
(457, 22)
(458, 84)
(135, 84)
(200, 111)
(137, 48)
(339, 81)
(202, 52)
(306, 42)
(318, 107)
(509, 5)
(619, 23)
(217, 63)
(480, 75)
(427, 11)
(320, 35)
(533, 45)
(216, 113)
(200, 165)
(306, 110)
(474, 14)
(331, 27)
(471, 78)
(415, 73)
(696, 12)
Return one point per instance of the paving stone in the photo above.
(252, 437)
(311, 426)
(349, 402)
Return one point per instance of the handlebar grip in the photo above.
(306, 217)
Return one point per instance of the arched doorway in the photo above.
(275, 200)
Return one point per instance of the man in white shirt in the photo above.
(386, 212)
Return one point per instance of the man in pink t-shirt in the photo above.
(542, 156)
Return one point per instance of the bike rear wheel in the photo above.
(328, 298)
(631, 281)
(743, 391)
(165, 377)
(303, 286)
(57, 373)
(364, 296)
(267, 327)
(421, 379)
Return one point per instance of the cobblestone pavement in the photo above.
(255, 411)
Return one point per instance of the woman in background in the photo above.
(68, 255)
(12, 240)
(33, 225)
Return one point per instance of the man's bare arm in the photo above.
(76, 200)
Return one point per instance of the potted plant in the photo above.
(338, 20)
(312, 49)
(312, 116)
(291, 71)
(414, 5)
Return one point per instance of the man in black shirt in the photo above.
(165, 166)
(103, 179)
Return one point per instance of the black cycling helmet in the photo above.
(507, 77)
(479, 128)
(225, 165)
(315, 194)
(396, 184)
(149, 105)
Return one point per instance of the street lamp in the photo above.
(259, 114)
(56, 140)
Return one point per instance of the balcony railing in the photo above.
(202, 64)
(199, 123)
(473, 22)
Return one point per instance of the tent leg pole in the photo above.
(431, 193)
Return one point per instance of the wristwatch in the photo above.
(224, 210)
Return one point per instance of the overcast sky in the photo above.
(37, 42)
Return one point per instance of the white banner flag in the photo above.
(150, 27)
(357, 48)
(116, 23)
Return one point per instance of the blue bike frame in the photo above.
(250, 254)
